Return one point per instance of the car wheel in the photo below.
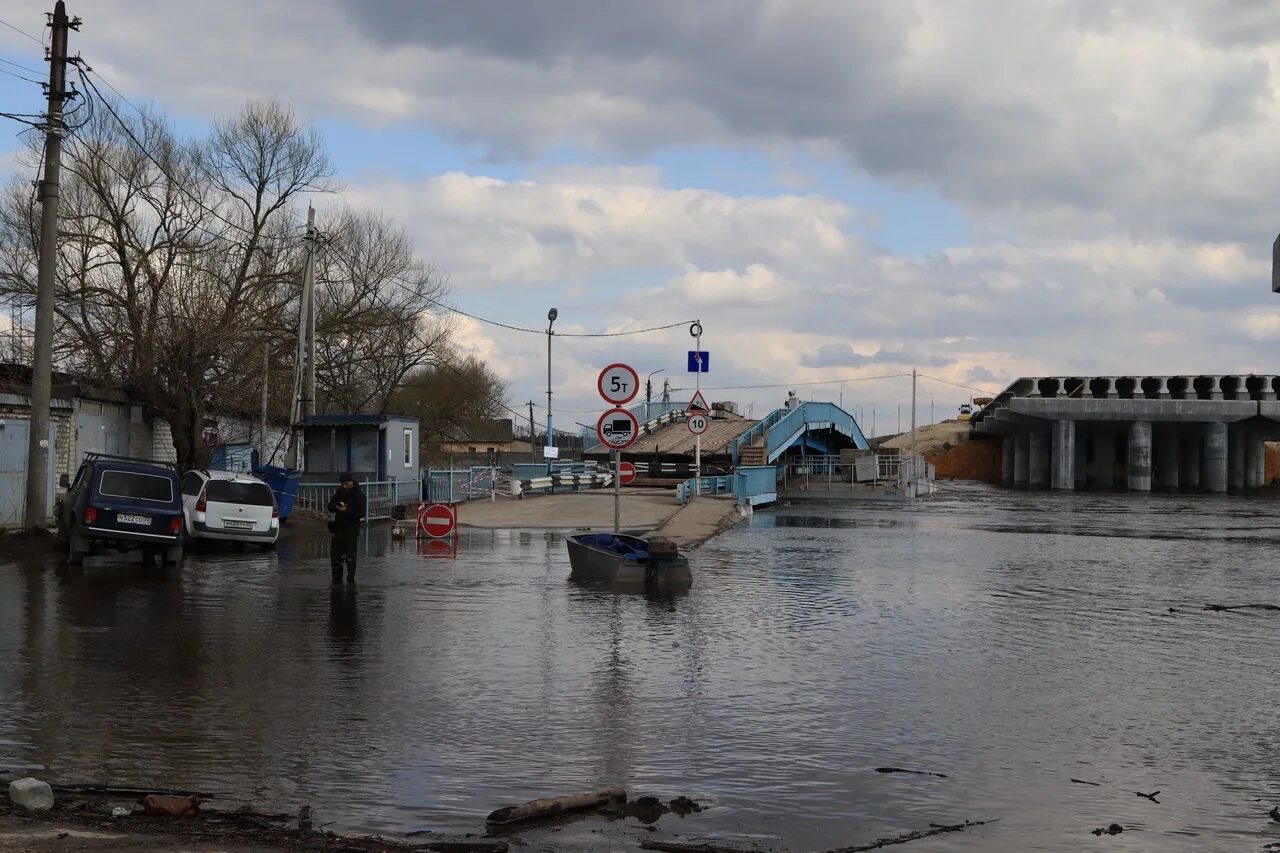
(76, 549)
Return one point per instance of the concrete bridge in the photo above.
(1175, 433)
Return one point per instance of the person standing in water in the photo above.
(348, 508)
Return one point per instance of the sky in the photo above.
(836, 191)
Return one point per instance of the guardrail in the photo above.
(754, 485)
(573, 482)
(380, 496)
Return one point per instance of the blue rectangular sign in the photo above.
(693, 361)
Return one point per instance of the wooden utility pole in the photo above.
(533, 451)
(36, 512)
(309, 296)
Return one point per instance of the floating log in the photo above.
(934, 829)
(913, 772)
(552, 806)
(691, 847)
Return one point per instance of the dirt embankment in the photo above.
(955, 451)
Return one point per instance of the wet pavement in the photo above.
(1013, 642)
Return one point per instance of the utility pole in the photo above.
(36, 511)
(266, 379)
(533, 450)
(309, 297)
(911, 494)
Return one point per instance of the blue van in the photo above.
(122, 504)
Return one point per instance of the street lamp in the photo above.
(551, 318)
(648, 391)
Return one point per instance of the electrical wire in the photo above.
(23, 67)
(794, 384)
(146, 152)
(958, 385)
(21, 32)
(528, 330)
(20, 77)
(24, 118)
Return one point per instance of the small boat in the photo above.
(619, 558)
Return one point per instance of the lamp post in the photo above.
(551, 319)
(648, 391)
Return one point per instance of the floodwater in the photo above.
(1010, 641)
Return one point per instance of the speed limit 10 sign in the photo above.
(698, 424)
(618, 384)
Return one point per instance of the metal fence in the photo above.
(380, 496)
(452, 485)
(752, 484)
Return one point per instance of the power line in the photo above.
(178, 184)
(795, 384)
(528, 330)
(26, 118)
(22, 32)
(20, 77)
(958, 385)
(23, 67)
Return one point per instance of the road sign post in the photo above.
(695, 331)
(618, 428)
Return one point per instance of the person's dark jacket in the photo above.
(346, 522)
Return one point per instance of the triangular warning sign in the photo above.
(698, 405)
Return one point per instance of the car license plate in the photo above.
(144, 520)
(238, 525)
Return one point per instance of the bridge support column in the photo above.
(1215, 458)
(1009, 449)
(1235, 459)
(1082, 458)
(1191, 461)
(1104, 459)
(1262, 463)
(1038, 462)
(1139, 467)
(1168, 462)
(1063, 455)
(1021, 457)
(1254, 462)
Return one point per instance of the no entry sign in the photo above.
(438, 521)
(626, 473)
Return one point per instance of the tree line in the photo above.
(179, 274)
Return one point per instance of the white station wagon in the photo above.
(230, 507)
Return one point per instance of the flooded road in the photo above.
(1012, 642)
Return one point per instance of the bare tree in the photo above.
(378, 317)
(451, 397)
(177, 262)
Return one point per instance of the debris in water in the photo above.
(934, 829)
(1113, 829)
(914, 772)
(1152, 796)
(1094, 784)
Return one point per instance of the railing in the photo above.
(888, 470)
(453, 485)
(755, 484)
(380, 496)
(782, 426)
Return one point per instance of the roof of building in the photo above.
(353, 420)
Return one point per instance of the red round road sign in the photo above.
(626, 473)
(618, 429)
(698, 424)
(438, 520)
(618, 384)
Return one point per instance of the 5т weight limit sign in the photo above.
(619, 384)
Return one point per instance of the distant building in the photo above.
(377, 447)
(487, 436)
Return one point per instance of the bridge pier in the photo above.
(1038, 463)
(1167, 461)
(1235, 459)
(1215, 458)
(1063, 455)
(1139, 467)
(1008, 448)
(1021, 457)
(1103, 472)
(1191, 461)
